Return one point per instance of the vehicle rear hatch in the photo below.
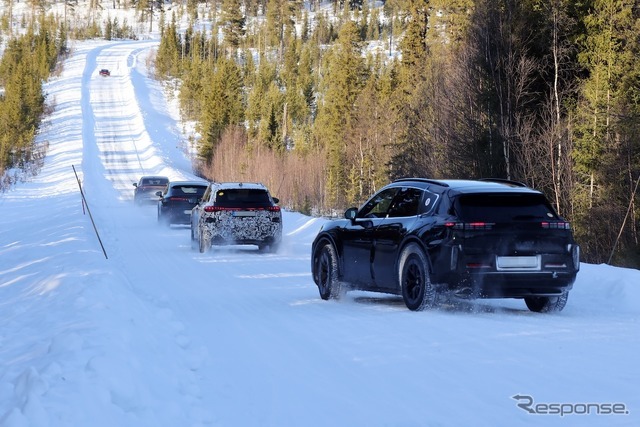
(248, 210)
(185, 196)
(511, 231)
(153, 185)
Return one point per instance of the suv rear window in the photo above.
(500, 208)
(239, 197)
(188, 190)
(155, 181)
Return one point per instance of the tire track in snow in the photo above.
(115, 131)
(117, 149)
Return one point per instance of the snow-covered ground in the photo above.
(161, 335)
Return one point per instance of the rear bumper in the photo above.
(511, 276)
(269, 240)
(243, 236)
(178, 218)
(178, 214)
(512, 285)
(222, 228)
(146, 196)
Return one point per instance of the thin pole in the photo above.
(84, 203)
(625, 220)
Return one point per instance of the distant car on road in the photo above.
(147, 187)
(237, 213)
(177, 201)
(105, 73)
(420, 238)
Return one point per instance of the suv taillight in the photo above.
(470, 225)
(561, 225)
(220, 208)
(216, 209)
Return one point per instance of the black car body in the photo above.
(237, 213)
(147, 187)
(421, 238)
(177, 201)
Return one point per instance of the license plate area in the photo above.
(244, 214)
(518, 263)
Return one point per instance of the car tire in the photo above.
(163, 219)
(327, 273)
(418, 292)
(194, 241)
(204, 244)
(547, 304)
(268, 248)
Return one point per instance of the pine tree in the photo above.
(344, 78)
(233, 23)
(192, 88)
(297, 108)
(222, 105)
(601, 59)
(108, 29)
(603, 146)
(257, 98)
(370, 135)
(280, 22)
(168, 56)
(271, 125)
(26, 63)
(449, 25)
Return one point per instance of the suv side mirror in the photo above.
(159, 193)
(276, 200)
(135, 184)
(351, 213)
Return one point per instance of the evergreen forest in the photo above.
(27, 60)
(325, 102)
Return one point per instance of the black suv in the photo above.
(177, 201)
(422, 238)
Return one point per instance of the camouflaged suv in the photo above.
(236, 213)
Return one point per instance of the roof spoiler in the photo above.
(426, 180)
(504, 181)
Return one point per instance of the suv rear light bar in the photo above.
(223, 209)
(561, 225)
(476, 265)
(470, 225)
(218, 209)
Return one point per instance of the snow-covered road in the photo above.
(161, 335)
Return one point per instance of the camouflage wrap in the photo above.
(223, 226)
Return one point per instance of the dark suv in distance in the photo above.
(422, 238)
(177, 200)
(237, 213)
